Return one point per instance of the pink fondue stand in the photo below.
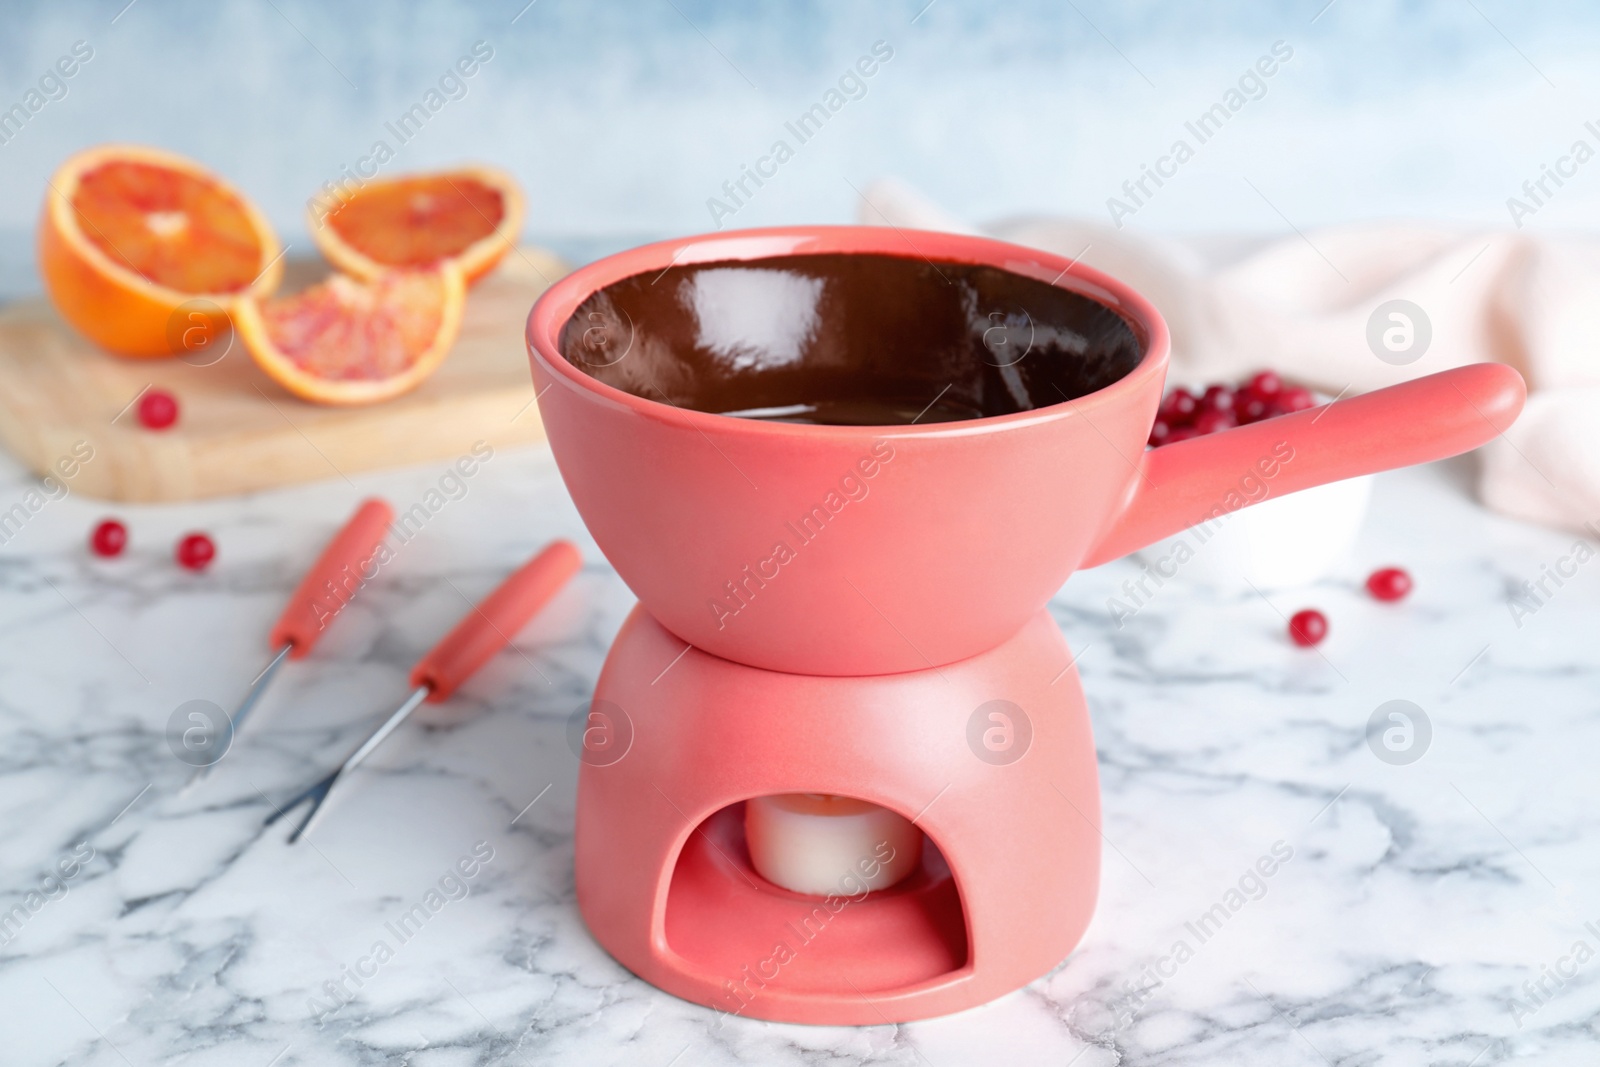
(867, 671)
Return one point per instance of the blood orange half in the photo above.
(472, 215)
(130, 234)
(345, 341)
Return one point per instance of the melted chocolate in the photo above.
(862, 340)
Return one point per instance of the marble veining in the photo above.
(1411, 915)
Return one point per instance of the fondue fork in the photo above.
(320, 596)
(482, 632)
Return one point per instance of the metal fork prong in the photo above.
(311, 813)
(313, 792)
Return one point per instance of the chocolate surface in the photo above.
(848, 340)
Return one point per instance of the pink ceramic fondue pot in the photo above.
(871, 549)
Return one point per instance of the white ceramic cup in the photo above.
(1279, 543)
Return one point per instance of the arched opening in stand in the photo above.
(726, 919)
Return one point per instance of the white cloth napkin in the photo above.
(1301, 305)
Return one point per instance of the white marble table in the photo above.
(1418, 900)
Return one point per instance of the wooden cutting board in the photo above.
(237, 430)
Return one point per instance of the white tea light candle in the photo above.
(817, 843)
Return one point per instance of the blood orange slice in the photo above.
(345, 341)
(472, 215)
(130, 235)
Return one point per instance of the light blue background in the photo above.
(622, 119)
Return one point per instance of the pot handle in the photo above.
(1204, 478)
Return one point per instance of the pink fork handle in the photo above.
(495, 620)
(1203, 478)
(333, 579)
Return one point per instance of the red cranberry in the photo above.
(195, 551)
(1217, 398)
(1294, 399)
(1212, 421)
(1389, 583)
(158, 409)
(1159, 433)
(1253, 409)
(1181, 433)
(1264, 384)
(1308, 627)
(1179, 407)
(109, 538)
